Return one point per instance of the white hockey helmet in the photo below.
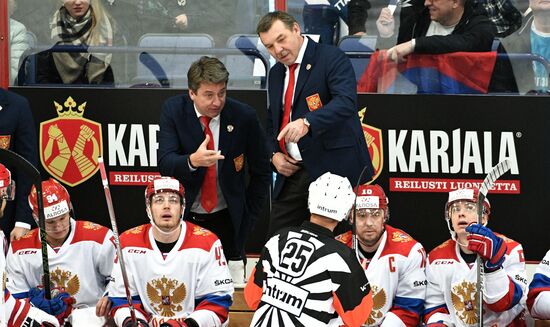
(331, 196)
(463, 194)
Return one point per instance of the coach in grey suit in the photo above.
(324, 133)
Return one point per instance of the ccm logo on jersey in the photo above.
(418, 283)
(223, 282)
(137, 251)
(27, 252)
(285, 296)
(444, 262)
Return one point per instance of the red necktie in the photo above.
(289, 94)
(209, 196)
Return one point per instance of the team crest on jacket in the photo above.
(91, 226)
(5, 141)
(314, 102)
(464, 297)
(400, 237)
(197, 230)
(373, 137)
(64, 281)
(70, 144)
(239, 162)
(166, 295)
(379, 300)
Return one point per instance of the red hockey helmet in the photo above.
(466, 194)
(56, 199)
(7, 185)
(164, 184)
(371, 197)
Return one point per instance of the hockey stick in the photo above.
(33, 174)
(109, 200)
(500, 169)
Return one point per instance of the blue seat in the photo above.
(163, 58)
(354, 46)
(246, 71)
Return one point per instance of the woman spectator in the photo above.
(78, 22)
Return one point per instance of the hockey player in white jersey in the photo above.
(80, 255)
(451, 272)
(538, 298)
(177, 272)
(304, 276)
(394, 262)
(14, 312)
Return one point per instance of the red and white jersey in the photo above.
(397, 277)
(451, 293)
(192, 280)
(80, 267)
(538, 299)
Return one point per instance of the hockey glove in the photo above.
(38, 318)
(437, 324)
(139, 323)
(490, 247)
(173, 323)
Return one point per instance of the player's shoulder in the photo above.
(198, 237)
(28, 241)
(89, 231)
(398, 242)
(136, 237)
(510, 243)
(345, 238)
(444, 251)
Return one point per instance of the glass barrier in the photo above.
(129, 37)
(152, 42)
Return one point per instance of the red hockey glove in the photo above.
(173, 323)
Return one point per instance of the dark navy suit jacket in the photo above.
(335, 142)
(241, 137)
(18, 134)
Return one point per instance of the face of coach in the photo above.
(281, 35)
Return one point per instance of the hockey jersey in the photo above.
(80, 267)
(397, 277)
(451, 292)
(538, 299)
(191, 281)
(306, 278)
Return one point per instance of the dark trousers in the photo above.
(220, 224)
(290, 207)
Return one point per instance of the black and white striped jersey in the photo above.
(306, 278)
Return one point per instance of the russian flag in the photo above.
(451, 73)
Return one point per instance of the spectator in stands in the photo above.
(359, 12)
(78, 22)
(504, 14)
(18, 42)
(443, 26)
(216, 18)
(533, 37)
(35, 15)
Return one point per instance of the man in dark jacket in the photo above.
(443, 26)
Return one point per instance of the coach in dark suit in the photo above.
(18, 134)
(208, 142)
(312, 121)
